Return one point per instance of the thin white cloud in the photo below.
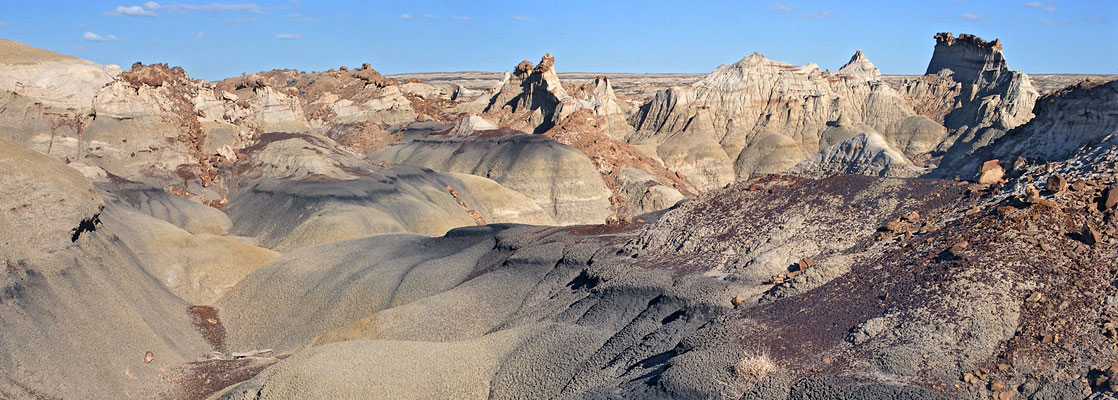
(460, 18)
(1051, 8)
(1093, 19)
(200, 34)
(972, 16)
(818, 15)
(428, 16)
(93, 37)
(239, 21)
(133, 11)
(300, 18)
(244, 7)
(149, 9)
(288, 36)
(780, 7)
(3, 24)
(521, 18)
(404, 16)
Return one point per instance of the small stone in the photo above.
(805, 263)
(1079, 186)
(969, 378)
(1056, 184)
(612, 219)
(148, 357)
(1035, 297)
(990, 173)
(957, 248)
(1019, 164)
(1099, 381)
(1006, 395)
(997, 386)
(895, 226)
(737, 300)
(1032, 195)
(912, 217)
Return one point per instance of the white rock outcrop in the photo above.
(767, 116)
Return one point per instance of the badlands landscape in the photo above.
(763, 231)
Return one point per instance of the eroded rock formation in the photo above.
(767, 116)
(988, 99)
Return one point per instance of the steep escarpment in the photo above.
(970, 58)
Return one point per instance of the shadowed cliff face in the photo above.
(988, 98)
(969, 57)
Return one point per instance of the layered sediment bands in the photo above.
(560, 179)
(1077, 118)
(767, 116)
(298, 190)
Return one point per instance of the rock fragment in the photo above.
(1090, 235)
(1056, 184)
(990, 173)
(1110, 198)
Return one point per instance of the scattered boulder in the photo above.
(1056, 184)
(1109, 198)
(990, 173)
(1090, 236)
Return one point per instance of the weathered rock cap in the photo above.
(964, 38)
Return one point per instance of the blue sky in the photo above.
(213, 40)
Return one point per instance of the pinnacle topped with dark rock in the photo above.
(970, 57)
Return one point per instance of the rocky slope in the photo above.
(876, 288)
